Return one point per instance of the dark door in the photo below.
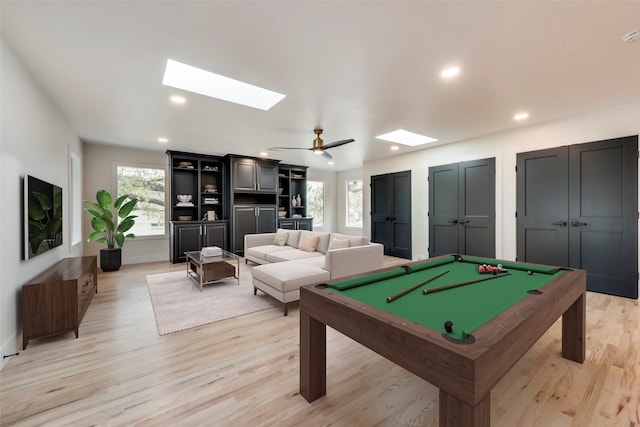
(391, 213)
(462, 208)
(603, 214)
(243, 175)
(578, 207)
(542, 204)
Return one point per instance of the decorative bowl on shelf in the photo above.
(185, 164)
(185, 217)
(210, 187)
(184, 198)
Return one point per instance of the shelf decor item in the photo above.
(294, 202)
(298, 200)
(110, 225)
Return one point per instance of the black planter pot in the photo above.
(110, 259)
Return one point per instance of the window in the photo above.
(148, 186)
(354, 203)
(315, 202)
(75, 198)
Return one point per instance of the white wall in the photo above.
(608, 123)
(99, 163)
(35, 139)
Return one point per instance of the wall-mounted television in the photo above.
(42, 216)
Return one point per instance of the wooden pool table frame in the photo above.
(465, 374)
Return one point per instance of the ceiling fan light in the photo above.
(317, 151)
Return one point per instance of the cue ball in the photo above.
(448, 326)
(530, 273)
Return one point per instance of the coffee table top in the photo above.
(197, 256)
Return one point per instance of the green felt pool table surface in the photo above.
(468, 306)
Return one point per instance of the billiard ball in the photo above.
(529, 272)
(448, 326)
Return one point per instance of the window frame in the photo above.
(347, 193)
(116, 165)
(309, 213)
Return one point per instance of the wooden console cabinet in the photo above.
(55, 301)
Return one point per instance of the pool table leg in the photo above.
(573, 330)
(456, 413)
(313, 357)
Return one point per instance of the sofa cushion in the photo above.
(261, 252)
(293, 237)
(353, 240)
(338, 243)
(289, 276)
(323, 241)
(291, 254)
(280, 238)
(308, 242)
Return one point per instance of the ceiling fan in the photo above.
(319, 146)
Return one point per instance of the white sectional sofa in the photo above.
(292, 260)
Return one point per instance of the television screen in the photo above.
(42, 216)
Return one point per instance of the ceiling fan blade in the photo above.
(326, 155)
(338, 143)
(288, 148)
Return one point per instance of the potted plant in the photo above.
(110, 225)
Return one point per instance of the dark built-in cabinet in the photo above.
(195, 235)
(229, 197)
(292, 184)
(252, 198)
(197, 194)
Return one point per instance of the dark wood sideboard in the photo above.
(55, 301)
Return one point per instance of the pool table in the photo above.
(462, 337)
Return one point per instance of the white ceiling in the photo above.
(357, 69)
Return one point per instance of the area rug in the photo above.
(178, 303)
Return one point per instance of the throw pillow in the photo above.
(339, 243)
(280, 238)
(309, 243)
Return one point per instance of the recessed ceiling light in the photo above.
(330, 163)
(264, 153)
(183, 76)
(521, 116)
(163, 140)
(178, 99)
(450, 72)
(404, 137)
(394, 148)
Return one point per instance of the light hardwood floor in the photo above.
(244, 372)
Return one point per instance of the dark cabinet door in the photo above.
(243, 175)
(266, 218)
(305, 224)
(391, 213)
(578, 207)
(462, 208)
(267, 177)
(215, 235)
(187, 238)
(287, 224)
(244, 222)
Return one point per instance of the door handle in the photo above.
(578, 223)
(393, 218)
(464, 221)
(453, 221)
(562, 223)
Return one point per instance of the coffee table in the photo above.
(210, 269)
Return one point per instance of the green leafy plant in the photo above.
(107, 228)
(45, 220)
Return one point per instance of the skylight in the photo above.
(193, 79)
(402, 136)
